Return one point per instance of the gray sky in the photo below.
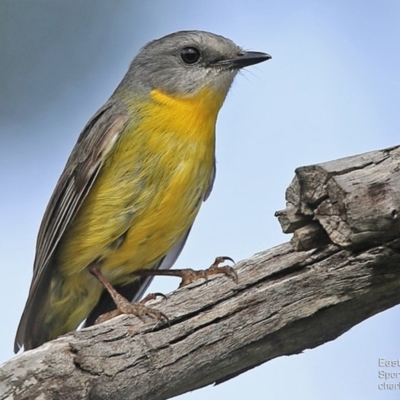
(331, 90)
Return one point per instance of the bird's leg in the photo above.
(189, 275)
(123, 305)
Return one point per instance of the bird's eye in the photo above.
(190, 55)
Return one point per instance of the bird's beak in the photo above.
(245, 59)
(249, 58)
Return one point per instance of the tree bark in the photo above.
(342, 266)
(353, 202)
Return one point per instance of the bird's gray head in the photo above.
(183, 63)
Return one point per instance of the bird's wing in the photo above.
(136, 289)
(212, 180)
(94, 143)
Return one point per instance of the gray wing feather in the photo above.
(94, 143)
(212, 180)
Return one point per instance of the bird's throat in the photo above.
(196, 115)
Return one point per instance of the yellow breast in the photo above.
(149, 190)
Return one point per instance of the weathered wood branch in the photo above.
(286, 300)
(353, 202)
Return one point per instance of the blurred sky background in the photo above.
(331, 90)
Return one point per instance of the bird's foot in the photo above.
(189, 275)
(138, 309)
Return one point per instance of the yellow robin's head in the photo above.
(184, 63)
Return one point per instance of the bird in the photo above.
(132, 186)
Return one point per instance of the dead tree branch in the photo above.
(344, 216)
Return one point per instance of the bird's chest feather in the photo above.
(165, 178)
(170, 160)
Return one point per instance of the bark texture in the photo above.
(353, 202)
(342, 267)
